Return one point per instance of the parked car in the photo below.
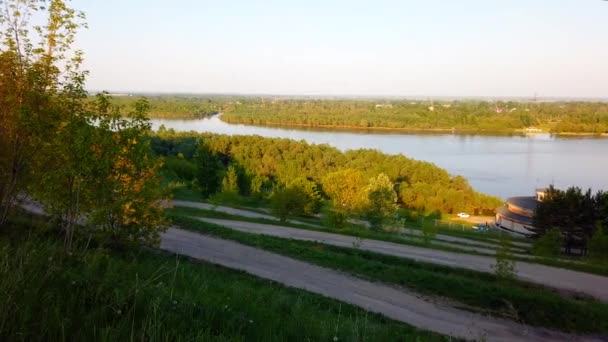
(463, 215)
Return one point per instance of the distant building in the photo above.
(517, 215)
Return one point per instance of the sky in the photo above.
(467, 48)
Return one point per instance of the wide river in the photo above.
(498, 165)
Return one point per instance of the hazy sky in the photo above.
(379, 47)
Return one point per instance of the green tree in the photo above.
(258, 185)
(333, 218)
(310, 190)
(208, 170)
(549, 244)
(345, 188)
(381, 203)
(230, 183)
(287, 203)
(598, 244)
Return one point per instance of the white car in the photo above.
(463, 215)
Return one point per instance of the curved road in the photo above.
(394, 303)
(558, 278)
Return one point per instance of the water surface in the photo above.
(498, 165)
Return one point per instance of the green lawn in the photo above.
(104, 295)
(476, 291)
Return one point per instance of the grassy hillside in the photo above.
(105, 295)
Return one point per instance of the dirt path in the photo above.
(231, 211)
(558, 278)
(394, 303)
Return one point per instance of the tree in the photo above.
(258, 185)
(208, 169)
(334, 218)
(85, 163)
(345, 188)
(381, 203)
(37, 82)
(230, 183)
(598, 244)
(549, 244)
(309, 189)
(288, 202)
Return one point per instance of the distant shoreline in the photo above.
(418, 130)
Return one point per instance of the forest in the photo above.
(416, 115)
(257, 166)
(465, 116)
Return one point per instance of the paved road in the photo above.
(392, 302)
(229, 210)
(558, 278)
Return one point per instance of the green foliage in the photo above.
(548, 245)
(341, 176)
(208, 170)
(258, 185)
(381, 203)
(334, 218)
(345, 188)
(288, 202)
(429, 231)
(574, 213)
(230, 183)
(598, 245)
(87, 162)
(179, 168)
(309, 189)
(175, 106)
(452, 116)
(505, 265)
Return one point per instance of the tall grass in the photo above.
(102, 295)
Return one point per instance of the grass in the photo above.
(105, 295)
(477, 291)
(582, 265)
(349, 230)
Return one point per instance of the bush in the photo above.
(289, 202)
(505, 265)
(598, 245)
(333, 218)
(548, 245)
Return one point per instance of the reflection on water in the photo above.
(503, 166)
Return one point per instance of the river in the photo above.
(503, 166)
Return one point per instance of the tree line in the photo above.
(574, 219)
(87, 162)
(464, 116)
(173, 106)
(352, 180)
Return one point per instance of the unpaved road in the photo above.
(558, 278)
(455, 239)
(394, 303)
(229, 210)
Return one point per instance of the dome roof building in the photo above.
(517, 215)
